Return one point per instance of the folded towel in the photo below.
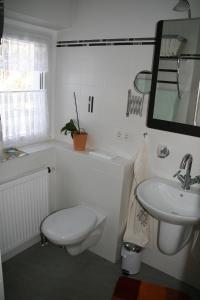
(170, 46)
(138, 227)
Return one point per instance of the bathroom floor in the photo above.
(49, 273)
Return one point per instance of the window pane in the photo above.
(24, 116)
(19, 81)
(23, 99)
(21, 64)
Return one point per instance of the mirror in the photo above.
(142, 82)
(175, 90)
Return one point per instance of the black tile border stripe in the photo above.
(107, 42)
(182, 56)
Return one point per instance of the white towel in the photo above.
(170, 46)
(138, 223)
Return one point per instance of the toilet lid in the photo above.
(69, 225)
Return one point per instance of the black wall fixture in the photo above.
(90, 104)
(1, 18)
(182, 115)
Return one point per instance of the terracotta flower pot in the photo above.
(79, 141)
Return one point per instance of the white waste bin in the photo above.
(131, 258)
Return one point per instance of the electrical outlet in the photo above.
(119, 135)
(126, 136)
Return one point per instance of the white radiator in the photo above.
(23, 205)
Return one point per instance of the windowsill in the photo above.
(39, 156)
(32, 148)
(98, 155)
(55, 144)
(46, 154)
(42, 146)
(28, 149)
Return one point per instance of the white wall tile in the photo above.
(107, 73)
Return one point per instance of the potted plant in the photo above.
(78, 134)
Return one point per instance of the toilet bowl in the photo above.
(77, 228)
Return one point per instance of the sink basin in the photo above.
(167, 201)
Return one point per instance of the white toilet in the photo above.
(77, 228)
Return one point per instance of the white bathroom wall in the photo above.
(107, 73)
(114, 18)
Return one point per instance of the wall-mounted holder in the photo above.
(134, 104)
(142, 85)
(162, 151)
(90, 104)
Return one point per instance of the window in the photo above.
(23, 95)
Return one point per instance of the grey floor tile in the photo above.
(49, 273)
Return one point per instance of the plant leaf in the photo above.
(69, 127)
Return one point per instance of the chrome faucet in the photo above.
(186, 180)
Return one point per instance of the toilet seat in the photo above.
(69, 225)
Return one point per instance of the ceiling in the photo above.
(51, 14)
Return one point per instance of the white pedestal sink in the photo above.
(176, 209)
